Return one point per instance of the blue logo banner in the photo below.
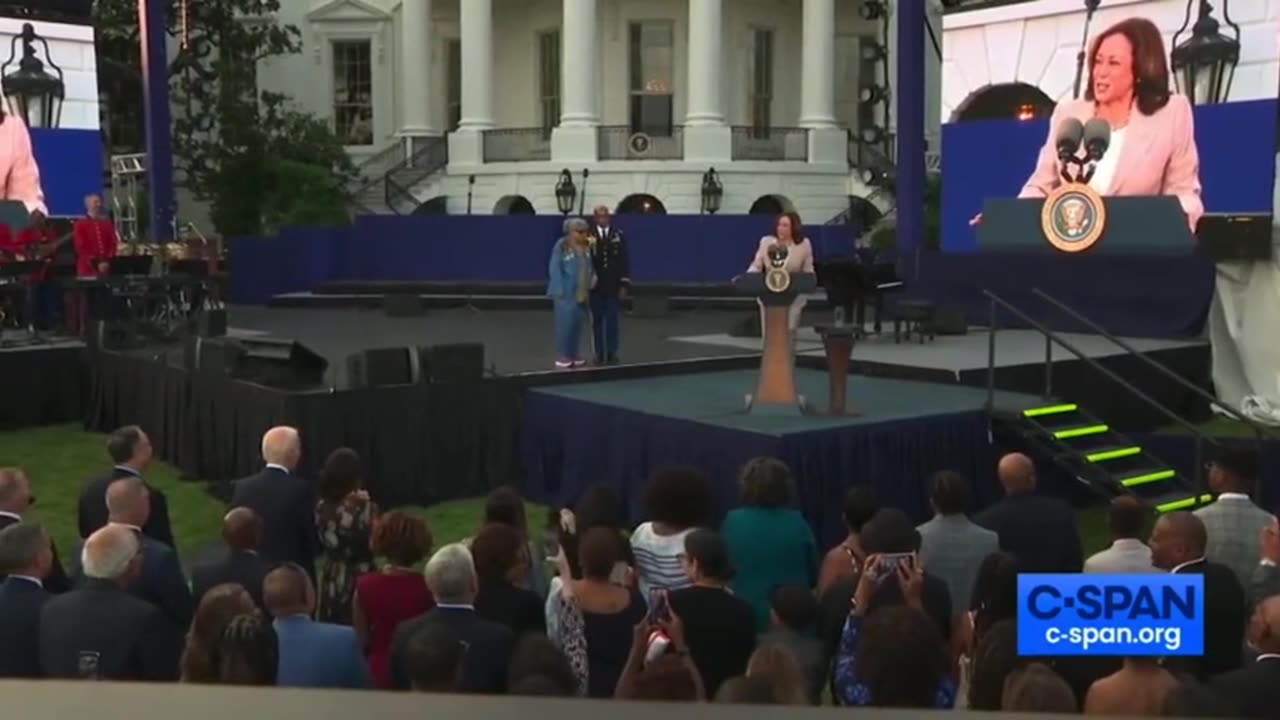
(1135, 615)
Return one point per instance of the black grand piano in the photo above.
(857, 280)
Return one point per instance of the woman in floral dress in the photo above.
(344, 521)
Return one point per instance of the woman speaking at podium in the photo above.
(1153, 145)
(789, 233)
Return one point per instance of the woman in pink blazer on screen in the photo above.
(19, 176)
(788, 232)
(1153, 145)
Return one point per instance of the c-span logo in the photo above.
(1073, 217)
(1131, 615)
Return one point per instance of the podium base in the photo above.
(801, 407)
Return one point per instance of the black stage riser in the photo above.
(412, 287)
(506, 302)
(42, 386)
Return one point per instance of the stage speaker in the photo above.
(452, 363)
(402, 305)
(283, 363)
(220, 357)
(380, 367)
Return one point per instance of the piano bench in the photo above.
(915, 316)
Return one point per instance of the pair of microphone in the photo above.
(1094, 135)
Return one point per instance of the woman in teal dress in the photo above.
(770, 543)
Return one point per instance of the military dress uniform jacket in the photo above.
(610, 260)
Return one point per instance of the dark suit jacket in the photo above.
(489, 646)
(162, 582)
(1224, 623)
(93, 508)
(287, 505)
(245, 569)
(20, 604)
(101, 631)
(519, 609)
(1038, 530)
(319, 655)
(57, 581)
(1254, 689)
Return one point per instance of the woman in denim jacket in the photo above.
(570, 279)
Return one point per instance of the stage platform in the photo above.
(43, 383)
(575, 435)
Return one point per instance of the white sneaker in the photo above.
(563, 364)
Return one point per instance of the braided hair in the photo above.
(247, 653)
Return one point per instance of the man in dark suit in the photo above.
(130, 450)
(25, 556)
(1038, 530)
(160, 580)
(1256, 687)
(1178, 544)
(312, 654)
(612, 267)
(451, 577)
(285, 502)
(238, 561)
(15, 498)
(100, 631)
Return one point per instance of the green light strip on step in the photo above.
(1148, 478)
(1113, 454)
(1050, 410)
(1080, 432)
(1180, 504)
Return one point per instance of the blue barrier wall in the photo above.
(995, 158)
(496, 248)
(70, 163)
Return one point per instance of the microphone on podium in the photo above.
(1070, 135)
(1097, 138)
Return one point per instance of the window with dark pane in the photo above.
(651, 69)
(353, 91)
(549, 80)
(453, 83)
(761, 91)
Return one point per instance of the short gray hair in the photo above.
(451, 575)
(575, 224)
(20, 543)
(108, 552)
(281, 445)
(125, 497)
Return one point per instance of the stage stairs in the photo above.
(1102, 458)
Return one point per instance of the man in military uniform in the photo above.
(613, 274)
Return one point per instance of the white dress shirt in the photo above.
(1104, 172)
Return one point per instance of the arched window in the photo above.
(641, 204)
(1007, 101)
(514, 205)
(771, 205)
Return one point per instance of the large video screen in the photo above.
(69, 154)
(1014, 72)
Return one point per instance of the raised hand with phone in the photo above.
(901, 568)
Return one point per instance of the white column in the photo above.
(827, 143)
(576, 138)
(706, 136)
(415, 68)
(466, 146)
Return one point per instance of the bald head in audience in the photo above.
(15, 491)
(128, 502)
(282, 446)
(1178, 538)
(1264, 626)
(111, 553)
(242, 529)
(1017, 474)
(287, 590)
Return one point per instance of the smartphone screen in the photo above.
(657, 605)
(889, 564)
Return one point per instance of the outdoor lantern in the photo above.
(1205, 63)
(872, 10)
(712, 192)
(566, 192)
(33, 93)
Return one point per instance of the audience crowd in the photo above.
(317, 587)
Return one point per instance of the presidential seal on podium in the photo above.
(1073, 217)
(776, 278)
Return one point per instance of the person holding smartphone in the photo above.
(720, 626)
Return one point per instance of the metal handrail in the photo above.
(1050, 338)
(1258, 429)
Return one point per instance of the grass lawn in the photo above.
(1220, 427)
(59, 459)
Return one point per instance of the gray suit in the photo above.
(1234, 524)
(951, 549)
(1264, 583)
(1126, 556)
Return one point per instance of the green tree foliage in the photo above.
(245, 152)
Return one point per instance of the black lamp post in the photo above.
(566, 192)
(1205, 63)
(712, 192)
(34, 94)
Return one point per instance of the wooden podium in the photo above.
(776, 387)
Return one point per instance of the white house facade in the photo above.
(481, 104)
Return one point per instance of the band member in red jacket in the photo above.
(96, 243)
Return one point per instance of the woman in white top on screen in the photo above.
(1153, 145)
(790, 233)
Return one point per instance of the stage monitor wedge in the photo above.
(452, 363)
(282, 363)
(381, 367)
